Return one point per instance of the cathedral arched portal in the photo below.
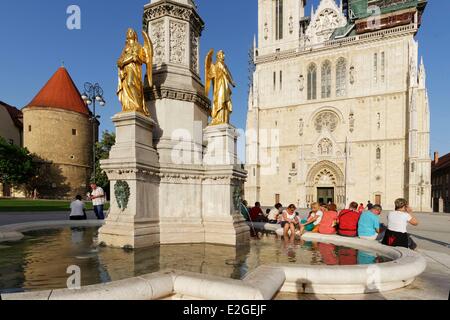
(326, 183)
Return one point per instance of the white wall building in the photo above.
(339, 109)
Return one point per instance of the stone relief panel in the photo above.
(351, 121)
(327, 18)
(291, 25)
(325, 147)
(352, 75)
(178, 42)
(325, 178)
(301, 126)
(159, 41)
(194, 52)
(301, 82)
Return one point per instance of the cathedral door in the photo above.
(378, 199)
(325, 195)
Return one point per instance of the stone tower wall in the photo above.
(65, 139)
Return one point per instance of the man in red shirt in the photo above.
(256, 213)
(348, 221)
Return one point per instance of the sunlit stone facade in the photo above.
(338, 112)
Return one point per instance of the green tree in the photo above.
(103, 148)
(16, 164)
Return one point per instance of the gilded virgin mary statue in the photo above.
(131, 88)
(222, 81)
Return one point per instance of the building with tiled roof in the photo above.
(11, 129)
(58, 128)
(11, 125)
(440, 178)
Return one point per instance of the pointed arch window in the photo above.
(312, 82)
(341, 77)
(326, 79)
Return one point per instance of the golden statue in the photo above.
(219, 74)
(131, 88)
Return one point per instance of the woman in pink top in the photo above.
(329, 220)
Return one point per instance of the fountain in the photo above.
(179, 177)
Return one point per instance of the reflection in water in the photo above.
(41, 260)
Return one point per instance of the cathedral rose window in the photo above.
(326, 120)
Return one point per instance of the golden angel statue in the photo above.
(219, 74)
(131, 88)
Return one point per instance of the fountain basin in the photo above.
(263, 283)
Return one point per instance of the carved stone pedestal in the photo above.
(133, 169)
(223, 186)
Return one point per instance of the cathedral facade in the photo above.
(338, 110)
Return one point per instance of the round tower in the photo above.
(58, 128)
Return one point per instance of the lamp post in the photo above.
(93, 93)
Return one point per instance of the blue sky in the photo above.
(35, 41)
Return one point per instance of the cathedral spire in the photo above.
(254, 48)
(422, 74)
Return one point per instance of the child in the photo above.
(314, 219)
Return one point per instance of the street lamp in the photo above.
(93, 93)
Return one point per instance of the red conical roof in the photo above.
(60, 92)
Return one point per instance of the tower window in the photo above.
(274, 81)
(74, 132)
(375, 67)
(383, 66)
(341, 78)
(378, 153)
(312, 82)
(278, 19)
(293, 165)
(29, 128)
(326, 80)
(281, 80)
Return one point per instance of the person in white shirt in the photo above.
(98, 200)
(77, 211)
(398, 220)
(274, 214)
(289, 220)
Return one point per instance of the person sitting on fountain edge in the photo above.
(313, 222)
(348, 221)
(274, 213)
(77, 210)
(289, 220)
(256, 213)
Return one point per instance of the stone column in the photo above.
(223, 186)
(133, 170)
